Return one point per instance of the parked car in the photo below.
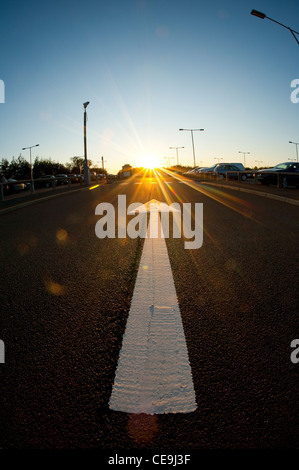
(238, 165)
(73, 178)
(61, 179)
(269, 175)
(206, 169)
(44, 181)
(194, 170)
(222, 168)
(13, 186)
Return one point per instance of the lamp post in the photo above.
(261, 15)
(244, 153)
(168, 160)
(295, 143)
(192, 140)
(26, 148)
(85, 166)
(216, 158)
(177, 154)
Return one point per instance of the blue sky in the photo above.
(148, 68)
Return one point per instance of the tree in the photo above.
(19, 168)
(4, 166)
(42, 167)
(77, 164)
(48, 167)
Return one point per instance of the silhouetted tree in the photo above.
(19, 168)
(4, 167)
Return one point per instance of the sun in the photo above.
(149, 161)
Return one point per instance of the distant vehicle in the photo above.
(222, 168)
(194, 170)
(92, 175)
(197, 169)
(74, 178)
(269, 175)
(61, 179)
(14, 186)
(207, 169)
(239, 165)
(44, 181)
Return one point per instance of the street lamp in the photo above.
(295, 143)
(177, 154)
(26, 148)
(168, 160)
(192, 140)
(261, 15)
(86, 169)
(244, 156)
(216, 158)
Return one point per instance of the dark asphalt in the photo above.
(65, 298)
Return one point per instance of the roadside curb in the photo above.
(288, 200)
(37, 200)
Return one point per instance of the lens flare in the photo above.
(148, 160)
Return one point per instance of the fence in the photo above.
(280, 179)
(20, 186)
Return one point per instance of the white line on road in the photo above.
(153, 375)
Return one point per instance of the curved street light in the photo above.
(192, 140)
(85, 167)
(261, 15)
(295, 143)
(244, 153)
(177, 153)
(26, 148)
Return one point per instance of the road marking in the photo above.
(153, 374)
(2, 352)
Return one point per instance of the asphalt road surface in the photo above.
(65, 300)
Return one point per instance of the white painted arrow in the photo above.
(153, 374)
(154, 206)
